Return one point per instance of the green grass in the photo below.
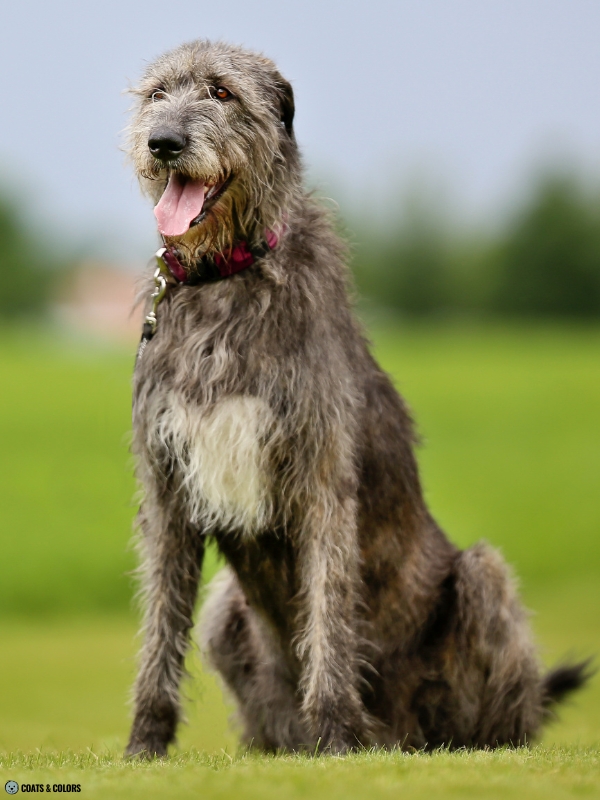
(66, 488)
(544, 773)
(511, 429)
(510, 420)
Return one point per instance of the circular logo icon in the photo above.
(12, 787)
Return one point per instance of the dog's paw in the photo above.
(152, 731)
(338, 746)
(145, 750)
(337, 739)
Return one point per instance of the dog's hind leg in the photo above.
(236, 643)
(495, 646)
(173, 554)
(481, 684)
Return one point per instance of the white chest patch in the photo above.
(223, 454)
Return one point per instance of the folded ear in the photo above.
(286, 104)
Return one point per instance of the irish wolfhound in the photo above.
(344, 617)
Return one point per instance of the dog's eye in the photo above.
(221, 93)
(157, 94)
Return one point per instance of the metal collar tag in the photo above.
(161, 275)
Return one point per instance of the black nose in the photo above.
(166, 144)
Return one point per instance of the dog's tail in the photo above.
(564, 679)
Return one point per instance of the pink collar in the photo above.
(221, 265)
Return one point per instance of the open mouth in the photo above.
(185, 202)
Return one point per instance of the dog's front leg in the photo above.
(328, 641)
(173, 560)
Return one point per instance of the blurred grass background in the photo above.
(493, 337)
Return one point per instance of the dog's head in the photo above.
(213, 145)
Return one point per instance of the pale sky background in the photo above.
(475, 94)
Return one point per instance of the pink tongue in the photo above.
(180, 203)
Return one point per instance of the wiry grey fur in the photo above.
(344, 616)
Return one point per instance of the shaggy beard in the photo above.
(245, 211)
(215, 234)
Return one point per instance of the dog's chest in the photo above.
(222, 454)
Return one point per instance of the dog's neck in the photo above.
(217, 266)
(207, 269)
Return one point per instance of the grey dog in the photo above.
(344, 617)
